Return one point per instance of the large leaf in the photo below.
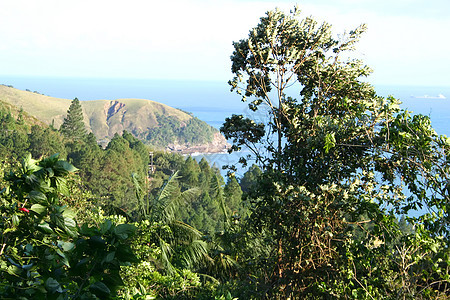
(100, 289)
(62, 167)
(109, 257)
(15, 220)
(125, 254)
(69, 213)
(194, 253)
(45, 227)
(61, 185)
(29, 165)
(105, 226)
(70, 227)
(66, 246)
(37, 208)
(123, 231)
(37, 197)
(53, 285)
(58, 220)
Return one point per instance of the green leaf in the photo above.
(28, 249)
(330, 142)
(63, 257)
(61, 186)
(53, 285)
(105, 226)
(37, 208)
(14, 270)
(69, 213)
(45, 227)
(63, 167)
(97, 240)
(70, 227)
(66, 246)
(100, 289)
(88, 231)
(113, 281)
(15, 220)
(123, 231)
(124, 253)
(38, 197)
(27, 267)
(50, 172)
(58, 220)
(109, 257)
(434, 247)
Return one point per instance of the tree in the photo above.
(332, 160)
(171, 234)
(233, 196)
(250, 178)
(44, 142)
(73, 126)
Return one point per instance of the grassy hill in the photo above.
(152, 122)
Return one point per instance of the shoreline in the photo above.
(218, 145)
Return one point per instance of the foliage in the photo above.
(171, 233)
(45, 141)
(73, 126)
(105, 117)
(250, 178)
(337, 160)
(13, 134)
(44, 254)
(171, 130)
(155, 274)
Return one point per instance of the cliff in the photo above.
(154, 123)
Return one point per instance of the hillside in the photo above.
(152, 122)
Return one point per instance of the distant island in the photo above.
(440, 96)
(154, 123)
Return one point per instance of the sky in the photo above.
(407, 42)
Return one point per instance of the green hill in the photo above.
(152, 122)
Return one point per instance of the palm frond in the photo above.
(194, 253)
(169, 187)
(184, 233)
(190, 194)
(167, 202)
(224, 264)
(166, 254)
(163, 205)
(218, 194)
(139, 195)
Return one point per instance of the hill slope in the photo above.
(152, 122)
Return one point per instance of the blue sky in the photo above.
(407, 42)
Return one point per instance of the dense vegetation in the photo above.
(171, 131)
(112, 187)
(153, 123)
(348, 197)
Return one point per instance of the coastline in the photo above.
(218, 145)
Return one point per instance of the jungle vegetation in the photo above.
(347, 197)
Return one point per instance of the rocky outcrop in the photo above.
(105, 118)
(113, 108)
(218, 145)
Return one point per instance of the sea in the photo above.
(212, 101)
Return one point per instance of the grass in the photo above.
(137, 115)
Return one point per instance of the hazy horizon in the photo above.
(192, 40)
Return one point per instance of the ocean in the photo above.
(212, 101)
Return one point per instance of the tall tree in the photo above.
(233, 196)
(250, 178)
(331, 152)
(73, 126)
